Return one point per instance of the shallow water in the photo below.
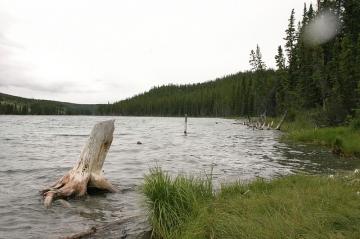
(37, 150)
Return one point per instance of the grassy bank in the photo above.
(289, 207)
(343, 140)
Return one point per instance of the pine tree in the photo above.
(351, 19)
(290, 37)
(280, 59)
(310, 13)
(256, 61)
(305, 19)
(252, 60)
(357, 75)
(260, 64)
(347, 74)
(282, 84)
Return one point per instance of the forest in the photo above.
(319, 78)
(13, 105)
(239, 94)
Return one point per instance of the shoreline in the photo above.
(306, 206)
(343, 141)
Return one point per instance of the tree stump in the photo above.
(88, 170)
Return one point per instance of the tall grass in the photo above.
(171, 201)
(289, 207)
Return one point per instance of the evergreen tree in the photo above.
(347, 74)
(310, 13)
(280, 59)
(256, 61)
(252, 60)
(290, 37)
(357, 75)
(305, 19)
(351, 19)
(260, 64)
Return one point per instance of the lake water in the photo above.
(36, 150)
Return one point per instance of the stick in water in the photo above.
(185, 130)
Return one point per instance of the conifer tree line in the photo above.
(322, 78)
(238, 94)
(13, 105)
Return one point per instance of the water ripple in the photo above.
(37, 150)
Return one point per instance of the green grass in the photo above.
(343, 140)
(171, 202)
(296, 206)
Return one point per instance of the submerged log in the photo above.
(88, 170)
(120, 228)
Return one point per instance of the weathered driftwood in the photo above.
(88, 170)
(281, 121)
(260, 123)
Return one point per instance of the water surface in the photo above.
(36, 150)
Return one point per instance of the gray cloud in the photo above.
(60, 50)
(5, 42)
(14, 74)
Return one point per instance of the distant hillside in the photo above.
(244, 93)
(23, 106)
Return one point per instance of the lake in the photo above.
(36, 150)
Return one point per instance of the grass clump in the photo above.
(295, 206)
(171, 201)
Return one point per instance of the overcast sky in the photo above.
(98, 51)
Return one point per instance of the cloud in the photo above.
(11, 73)
(14, 73)
(20, 82)
(91, 51)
